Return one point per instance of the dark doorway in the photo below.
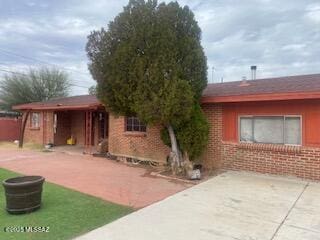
(103, 125)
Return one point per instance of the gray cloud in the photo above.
(281, 37)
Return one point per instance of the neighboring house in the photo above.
(267, 125)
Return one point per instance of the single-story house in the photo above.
(266, 125)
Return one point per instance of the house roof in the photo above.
(66, 103)
(281, 88)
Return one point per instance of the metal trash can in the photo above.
(23, 194)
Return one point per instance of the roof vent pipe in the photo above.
(253, 72)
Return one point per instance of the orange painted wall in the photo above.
(308, 109)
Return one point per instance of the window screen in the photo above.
(292, 130)
(246, 133)
(271, 129)
(268, 129)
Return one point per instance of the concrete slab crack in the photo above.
(293, 205)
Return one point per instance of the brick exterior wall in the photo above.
(143, 146)
(47, 123)
(43, 134)
(212, 155)
(302, 162)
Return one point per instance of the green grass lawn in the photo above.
(67, 213)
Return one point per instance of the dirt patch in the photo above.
(26, 146)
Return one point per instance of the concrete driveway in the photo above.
(231, 206)
(100, 177)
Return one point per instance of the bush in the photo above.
(192, 135)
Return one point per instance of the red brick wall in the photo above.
(212, 154)
(144, 146)
(34, 135)
(9, 129)
(47, 123)
(43, 134)
(302, 162)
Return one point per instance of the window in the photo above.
(35, 120)
(133, 124)
(271, 129)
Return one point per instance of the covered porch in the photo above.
(82, 119)
(85, 128)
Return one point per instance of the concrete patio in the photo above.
(100, 177)
(231, 206)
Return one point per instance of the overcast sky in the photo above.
(281, 37)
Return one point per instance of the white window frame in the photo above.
(284, 118)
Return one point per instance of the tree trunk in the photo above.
(175, 155)
(23, 127)
(174, 144)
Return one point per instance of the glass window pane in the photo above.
(136, 121)
(246, 129)
(268, 129)
(136, 128)
(292, 130)
(130, 121)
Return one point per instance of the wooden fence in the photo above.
(9, 129)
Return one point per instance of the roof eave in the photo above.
(20, 107)
(74, 107)
(261, 97)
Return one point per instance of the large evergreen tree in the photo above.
(150, 63)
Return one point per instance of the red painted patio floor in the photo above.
(100, 177)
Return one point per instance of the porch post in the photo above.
(44, 124)
(85, 131)
(22, 127)
(88, 131)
